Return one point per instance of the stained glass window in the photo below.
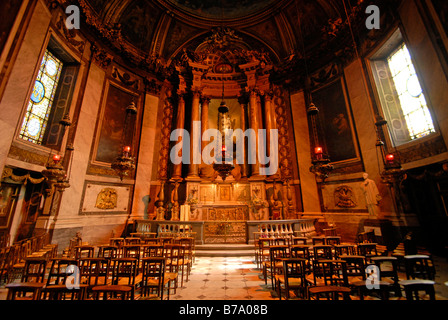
(412, 100)
(41, 100)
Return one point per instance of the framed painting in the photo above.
(336, 124)
(112, 121)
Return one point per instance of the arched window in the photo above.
(37, 114)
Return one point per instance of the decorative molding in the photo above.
(125, 78)
(72, 36)
(423, 150)
(101, 57)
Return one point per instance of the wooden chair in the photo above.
(412, 289)
(329, 293)
(332, 240)
(107, 252)
(152, 250)
(292, 277)
(318, 240)
(93, 272)
(356, 269)
(132, 241)
(419, 266)
(274, 264)
(322, 252)
(344, 249)
(388, 268)
(153, 278)
(187, 262)
(63, 282)
(328, 272)
(84, 251)
(123, 282)
(32, 281)
(263, 252)
(299, 240)
(368, 250)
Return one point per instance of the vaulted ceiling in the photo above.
(166, 26)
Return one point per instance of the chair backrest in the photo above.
(332, 240)
(294, 268)
(332, 272)
(124, 269)
(388, 267)
(152, 250)
(174, 253)
(299, 240)
(277, 252)
(153, 273)
(367, 249)
(60, 269)
(34, 270)
(355, 266)
(132, 241)
(84, 252)
(131, 251)
(300, 251)
(345, 249)
(93, 271)
(108, 252)
(419, 266)
(323, 251)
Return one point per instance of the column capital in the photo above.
(205, 99)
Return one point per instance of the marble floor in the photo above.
(225, 278)
(237, 278)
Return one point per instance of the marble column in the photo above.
(180, 124)
(269, 108)
(204, 118)
(255, 124)
(195, 148)
(243, 104)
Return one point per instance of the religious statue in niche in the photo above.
(344, 197)
(371, 194)
(107, 199)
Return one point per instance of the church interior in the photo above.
(295, 147)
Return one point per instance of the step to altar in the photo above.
(224, 250)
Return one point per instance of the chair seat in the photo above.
(112, 288)
(292, 282)
(171, 275)
(416, 282)
(25, 285)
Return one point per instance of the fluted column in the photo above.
(243, 125)
(180, 124)
(204, 118)
(255, 123)
(269, 111)
(195, 144)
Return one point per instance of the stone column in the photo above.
(204, 118)
(180, 124)
(195, 148)
(243, 125)
(255, 124)
(269, 109)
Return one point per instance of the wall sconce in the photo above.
(55, 173)
(321, 167)
(224, 163)
(393, 171)
(124, 164)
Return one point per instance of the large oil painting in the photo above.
(335, 122)
(112, 123)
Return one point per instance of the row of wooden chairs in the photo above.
(92, 278)
(184, 246)
(12, 258)
(345, 270)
